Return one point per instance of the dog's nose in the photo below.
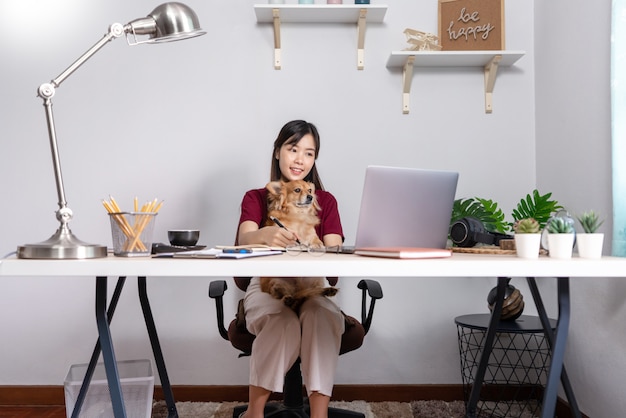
(309, 198)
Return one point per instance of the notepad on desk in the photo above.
(403, 252)
(227, 253)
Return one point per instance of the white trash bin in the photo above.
(137, 381)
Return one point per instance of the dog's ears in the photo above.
(274, 187)
(275, 197)
(316, 204)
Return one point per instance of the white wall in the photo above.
(573, 116)
(193, 123)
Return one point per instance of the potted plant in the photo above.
(560, 237)
(536, 206)
(527, 238)
(590, 241)
(533, 205)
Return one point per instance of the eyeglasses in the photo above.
(301, 248)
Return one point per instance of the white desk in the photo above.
(459, 265)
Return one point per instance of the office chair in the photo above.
(293, 404)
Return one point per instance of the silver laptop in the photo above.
(405, 207)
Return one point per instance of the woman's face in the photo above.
(296, 160)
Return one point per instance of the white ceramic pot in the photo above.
(590, 245)
(560, 245)
(527, 245)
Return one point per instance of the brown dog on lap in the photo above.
(294, 204)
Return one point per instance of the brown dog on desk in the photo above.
(295, 206)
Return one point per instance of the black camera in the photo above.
(467, 232)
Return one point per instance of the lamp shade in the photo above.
(168, 22)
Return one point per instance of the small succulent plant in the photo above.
(560, 225)
(590, 221)
(526, 226)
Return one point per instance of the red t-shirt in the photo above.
(254, 208)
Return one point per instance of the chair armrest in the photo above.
(216, 291)
(217, 288)
(372, 289)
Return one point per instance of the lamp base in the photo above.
(62, 245)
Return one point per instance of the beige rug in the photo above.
(415, 409)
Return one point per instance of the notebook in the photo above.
(405, 207)
(404, 252)
(229, 253)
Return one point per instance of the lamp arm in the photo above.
(115, 31)
(46, 91)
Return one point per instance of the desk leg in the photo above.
(470, 411)
(541, 310)
(156, 349)
(558, 350)
(96, 350)
(104, 335)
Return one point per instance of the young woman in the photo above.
(282, 335)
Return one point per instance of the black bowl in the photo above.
(183, 237)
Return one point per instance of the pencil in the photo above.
(142, 218)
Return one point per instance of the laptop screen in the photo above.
(405, 207)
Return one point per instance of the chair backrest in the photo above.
(241, 339)
(243, 282)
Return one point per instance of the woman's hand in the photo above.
(274, 236)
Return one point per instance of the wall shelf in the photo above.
(320, 13)
(488, 60)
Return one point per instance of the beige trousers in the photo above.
(282, 336)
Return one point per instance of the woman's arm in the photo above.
(274, 236)
(332, 240)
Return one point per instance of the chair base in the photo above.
(279, 410)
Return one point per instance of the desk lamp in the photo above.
(168, 22)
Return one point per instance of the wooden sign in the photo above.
(471, 25)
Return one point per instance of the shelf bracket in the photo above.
(276, 17)
(407, 77)
(361, 39)
(491, 69)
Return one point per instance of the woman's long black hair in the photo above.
(290, 134)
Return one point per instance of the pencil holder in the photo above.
(132, 233)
